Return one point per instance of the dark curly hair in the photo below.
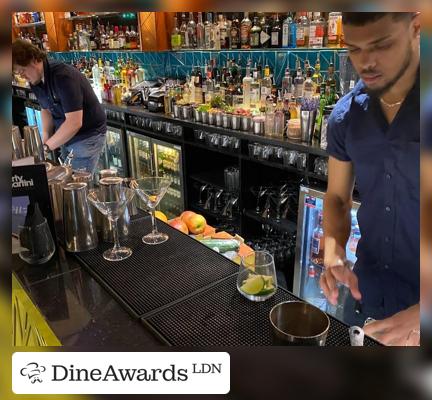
(23, 53)
(363, 18)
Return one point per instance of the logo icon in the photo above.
(33, 371)
(20, 182)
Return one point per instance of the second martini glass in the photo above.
(151, 190)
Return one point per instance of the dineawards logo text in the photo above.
(120, 373)
(111, 373)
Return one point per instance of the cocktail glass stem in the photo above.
(153, 217)
(115, 233)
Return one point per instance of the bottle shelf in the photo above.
(271, 49)
(93, 15)
(30, 25)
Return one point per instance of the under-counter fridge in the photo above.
(310, 251)
(113, 154)
(151, 157)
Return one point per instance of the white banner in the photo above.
(120, 373)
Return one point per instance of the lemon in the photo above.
(253, 285)
(160, 215)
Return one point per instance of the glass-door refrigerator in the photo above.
(140, 158)
(310, 251)
(168, 163)
(116, 151)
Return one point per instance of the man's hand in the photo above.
(337, 271)
(401, 329)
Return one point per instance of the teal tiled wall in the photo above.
(179, 64)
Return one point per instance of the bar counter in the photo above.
(184, 296)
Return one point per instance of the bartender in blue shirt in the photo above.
(373, 140)
(72, 116)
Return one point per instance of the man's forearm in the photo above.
(67, 131)
(47, 125)
(337, 221)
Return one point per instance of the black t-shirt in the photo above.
(65, 90)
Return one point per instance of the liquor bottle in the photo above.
(313, 292)
(255, 34)
(198, 87)
(121, 38)
(192, 86)
(223, 32)
(330, 82)
(265, 33)
(200, 32)
(298, 82)
(238, 95)
(334, 29)
(266, 86)
(309, 88)
(317, 244)
(320, 113)
(116, 41)
(255, 93)
(269, 117)
(127, 38)
(287, 85)
(286, 31)
(133, 39)
(317, 77)
(207, 31)
(302, 34)
(183, 33)
(45, 42)
(215, 35)
(316, 31)
(234, 37)
(279, 119)
(276, 33)
(247, 82)
(175, 37)
(245, 27)
(191, 31)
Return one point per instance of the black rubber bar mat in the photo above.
(221, 316)
(155, 276)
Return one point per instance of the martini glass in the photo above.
(151, 190)
(113, 208)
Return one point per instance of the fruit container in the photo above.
(258, 125)
(186, 112)
(246, 123)
(176, 111)
(205, 117)
(197, 114)
(211, 118)
(218, 118)
(235, 122)
(226, 120)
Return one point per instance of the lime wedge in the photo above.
(268, 279)
(253, 285)
(267, 290)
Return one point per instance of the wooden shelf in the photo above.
(30, 25)
(93, 15)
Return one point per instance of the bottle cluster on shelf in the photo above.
(28, 17)
(34, 39)
(87, 37)
(266, 30)
(273, 111)
(111, 81)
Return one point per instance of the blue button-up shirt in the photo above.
(386, 161)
